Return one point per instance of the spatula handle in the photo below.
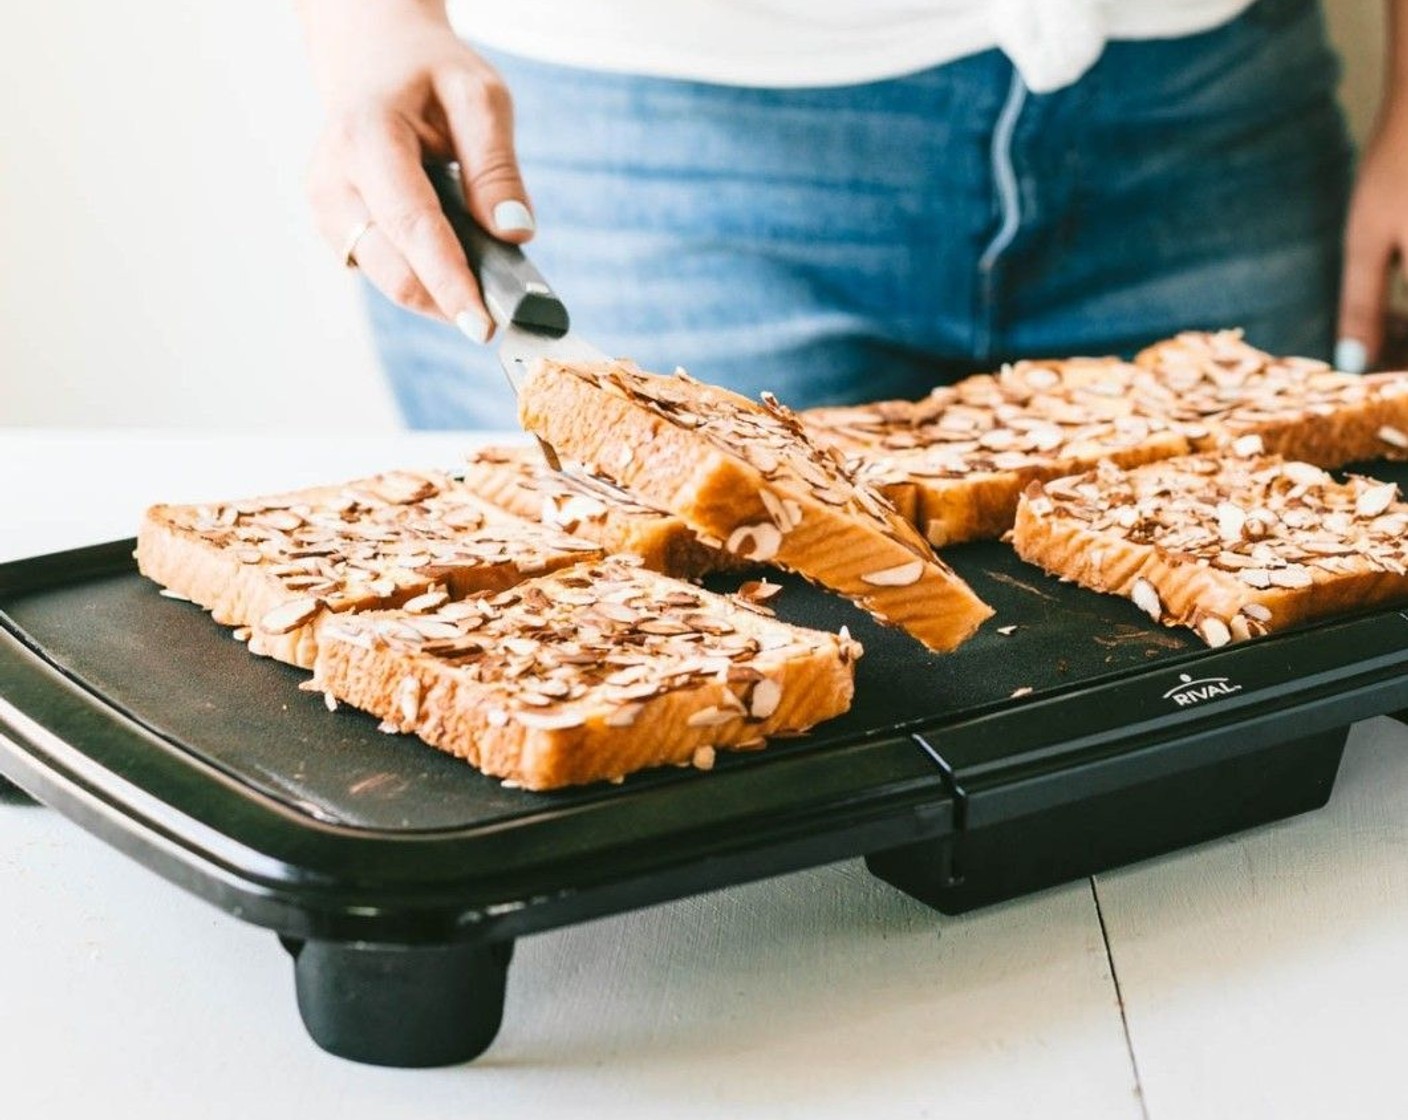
(514, 290)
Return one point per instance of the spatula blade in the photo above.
(520, 349)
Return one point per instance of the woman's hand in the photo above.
(1376, 238)
(401, 89)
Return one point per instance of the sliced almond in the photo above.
(1257, 611)
(663, 626)
(1375, 500)
(290, 616)
(1040, 377)
(623, 716)
(1214, 631)
(755, 542)
(767, 695)
(1146, 598)
(282, 519)
(434, 629)
(549, 721)
(408, 700)
(428, 601)
(618, 612)
(759, 590)
(763, 459)
(703, 758)
(711, 717)
(580, 508)
(901, 575)
(1248, 446)
(1394, 437)
(773, 504)
(1231, 519)
(1303, 474)
(1293, 576)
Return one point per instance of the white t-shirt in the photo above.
(788, 43)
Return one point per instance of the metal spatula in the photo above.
(532, 322)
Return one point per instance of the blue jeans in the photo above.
(871, 241)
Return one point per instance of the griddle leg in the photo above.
(401, 1005)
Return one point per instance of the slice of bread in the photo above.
(1225, 393)
(747, 478)
(517, 480)
(1230, 547)
(956, 462)
(589, 673)
(279, 565)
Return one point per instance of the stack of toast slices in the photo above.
(543, 625)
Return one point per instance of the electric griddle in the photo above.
(399, 878)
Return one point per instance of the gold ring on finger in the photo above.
(349, 247)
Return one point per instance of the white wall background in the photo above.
(158, 267)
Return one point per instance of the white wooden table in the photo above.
(1261, 975)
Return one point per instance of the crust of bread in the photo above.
(852, 546)
(516, 480)
(906, 448)
(234, 593)
(1301, 409)
(983, 504)
(1354, 433)
(1190, 590)
(482, 721)
(205, 566)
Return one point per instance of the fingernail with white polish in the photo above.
(511, 216)
(474, 327)
(1351, 356)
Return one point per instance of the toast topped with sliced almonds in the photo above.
(588, 673)
(746, 478)
(1230, 547)
(1220, 390)
(956, 462)
(517, 480)
(276, 566)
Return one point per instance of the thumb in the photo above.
(1363, 296)
(479, 112)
